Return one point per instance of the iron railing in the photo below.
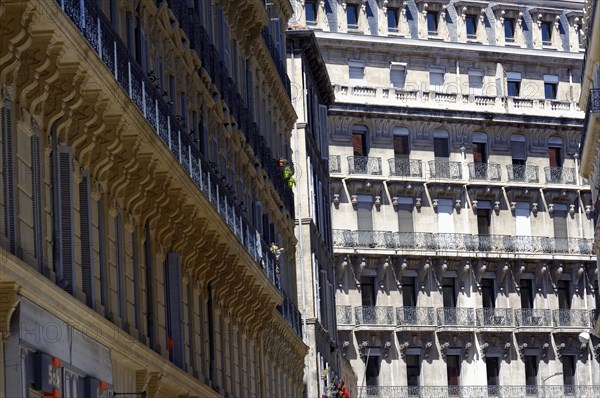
(594, 105)
(99, 33)
(554, 391)
(364, 165)
(443, 169)
(344, 315)
(279, 63)
(456, 316)
(402, 167)
(560, 175)
(290, 313)
(495, 317)
(573, 318)
(426, 241)
(374, 315)
(415, 316)
(523, 173)
(335, 164)
(528, 317)
(484, 172)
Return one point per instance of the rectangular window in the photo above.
(555, 156)
(397, 75)
(492, 365)
(356, 71)
(526, 290)
(401, 148)
(409, 291)
(513, 84)
(531, 370)
(364, 214)
(413, 370)
(64, 211)
(8, 177)
(359, 145)
(392, 18)
(550, 86)
(523, 224)
(352, 16)
(475, 82)
(372, 371)
(87, 257)
(174, 309)
(509, 30)
(449, 292)
(445, 216)
(471, 26)
(559, 217)
(368, 291)
(483, 221)
(488, 296)
(405, 217)
(310, 10)
(569, 364)
(479, 152)
(453, 370)
(37, 208)
(441, 148)
(564, 295)
(546, 31)
(432, 23)
(436, 79)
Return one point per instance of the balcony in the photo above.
(344, 315)
(364, 165)
(560, 175)
(527, 173)
(484, 172)
(495, 317)
(580, 319)
(425, 241)
(443, 169)
(335, 164)
(594, 104)
(401, 167)
(279, 64)
(291, 314)
(555, 391)
(379, 315)
(533, 318)
(456, 317)
(415, 316)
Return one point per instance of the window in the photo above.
(471, 25)
(440, 145)
(413, 370)
(372, 371)
(475, 82)
(364, 213)
(487, 293)
(405, 216)
(359, 142)
(509, 30)
(564, 294)
(480, 148)
(550, 86)
(392, 18)
(356, 71)
(432, 23)
(368, 292)
(397, 75)
(449, 292)
(453, 370)
(555, 155)
(519, 157)
(483, 222)
(310, 9)
(352, 16)
(546, 31)
(492, 365)
(559, 220)
(531, 370)
(436, 78)
(401, 144)
(513, 84)
(569, 364)
(526, 290)
(409, 291)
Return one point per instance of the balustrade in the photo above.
(522, 173)
(444, 169)
(415, 316)
(573, 318)
(335, 164)
(344, 315)
(528, 317)
(374, 315)
(484, 172)
(364, 165)
(495, 317)
(402, 167)
(553, 391)
(560, 175)
(456, 316)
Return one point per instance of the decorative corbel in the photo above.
(480, 271)
(501, 273)
(358, 268)
(557, 22)
(423, 272)
(484, 349)
(539, 20)
(577, 280)
(474, 205)
(572, 210)
(550, 209)
(362, 346)
(395, 201)
(402, 349)
(386, 348)
(522, 348)
(10, 295)
(427, 349)
(354, 200)
(482, 15)
(341, 269)
(559, 349)
(467, 349)
(519, 269)
(583, 348)
(444, 349)
(497, 207)
(457, 205)
(377, 203)
(399, 272)
(441, 272)
(418, 204)
(534, 209)
(596, 350)
(502, 13)
(513, 206)
(545, 348)
(463, 13)
(558, 271)
(443, 13)
(506, 350)
(539, 276)
(588, 211)
(435, 204)
(336, 200)
(382, 269)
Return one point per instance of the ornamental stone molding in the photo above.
(10, 295)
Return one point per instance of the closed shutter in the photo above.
(440, 147)
(191, 327)
(405, 218)
(66, 272)
(364, 213)
(483, 221)
(554, 157)
(174, 298)
(36, 189)
(560, 223)
(445, 216)
(356, 72)
(87, 261)
(137, 310)
(475, 84)
(397, 77)
(518, 150)
(102, 255)
(8, 177)
(479, 152)
(401, 146)
(358, 144)
(523, 225)
(149, 286)
(121, 290)
(323, 123)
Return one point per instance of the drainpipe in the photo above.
(581, 210)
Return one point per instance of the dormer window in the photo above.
(509, 30)
(546, 31)
(352, 16)
(471, 25)
(432, 23)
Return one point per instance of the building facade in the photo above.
(462, 230)
(147, 234)
(590, 102)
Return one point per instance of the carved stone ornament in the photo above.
(130, 222)
(9, 298)
(96, 189)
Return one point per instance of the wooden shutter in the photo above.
(66, 274)
(36, 189)
(85, 225)
(358, 144)
(401, 146)
(8, 162)
(440, 147)
(405, 218)
(364, 213)
(554, 157)
(191, 315)
(560, 223)
(137, 310)
(174, 307)
(479, 152)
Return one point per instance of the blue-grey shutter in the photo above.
(102, 256)
(149, 287)
(66, 270)
(137, 313)
(121, 294)
(8, 176)
(174, 301)
(87, 258)
(191, 317)
(332, 17)
(36, 189)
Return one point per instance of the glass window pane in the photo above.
(392, 17)
(471, 22)
(432, 24)
(509, 32)
(352, 16)
(311, 12)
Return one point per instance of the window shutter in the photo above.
(518, 150)
(440, 147)
(358, 144)
(149, 286)
(8, 177)
(364, 212)
(36, 189)
(405, 218)
(323, 122)
(560, 223)
(483, 221)
(66, 272)
(475, 84)
(397, 77)
(174, 299)
(401, 146)
(478, 152)
(356, 72)
(137, 311)
(554, 157)
(102, 255)
(121, 290)
(191, 327)
(87, 261)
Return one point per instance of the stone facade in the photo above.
(142, 211)
(462, 230)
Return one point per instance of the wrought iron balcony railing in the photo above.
(456, 316)
(443, 169)
(554, 391)
(279, 63)
(527, 317)
(378, 315)
(415, 316)
(573, 318)
(364, 165)
(101, 37)
(523, 173)
(594, 105)
(344, 315)
(402, 167)
(495, 317)
(335, 164)
(560, 175)
(484, 172)
(426, 241)
(291, 314)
